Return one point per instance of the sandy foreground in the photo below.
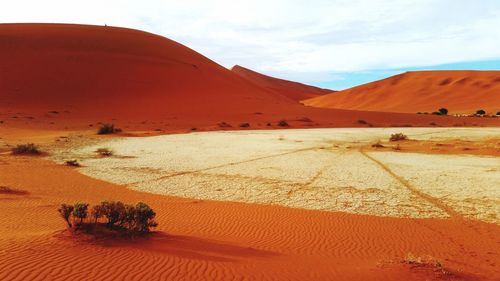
(320, 169)
(197, 239)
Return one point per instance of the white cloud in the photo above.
(308, 39)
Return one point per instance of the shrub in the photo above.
(224, 125)
(443, 111)
(498, 113)
(480, 112)
(144, 217)
(362, 122)
(244, 125)
(80, 211)
(378, 145)
(108, 129)
(66, 210)
(105, 152)
(119, 216)
(26, 149)
(73, 163)
(398, 137)
(283, 123)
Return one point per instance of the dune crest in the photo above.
(461, 92)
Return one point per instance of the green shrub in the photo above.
(26, 149)
(480, 112)
(398, 137)
(80, 211)
(65, 211)
(119, 216)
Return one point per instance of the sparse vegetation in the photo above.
(378, 145)
(73, 163)
(443, 111)
(104, 152)
(244, 125)
(362, 122)
(283, 123)
(26, 149)
(224, 125)
(115, 216)
(498, 113)
(11, 191)
(480, 112)
(108, 129)
(398, 137)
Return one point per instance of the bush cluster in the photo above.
(108, 129)
(283, 123)
(398, 137)
(28, 149)
(114, 215)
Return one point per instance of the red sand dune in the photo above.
(461, 92)
(207, 240)
(58, 76)
(294, 90)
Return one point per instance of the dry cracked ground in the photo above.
(324, 169)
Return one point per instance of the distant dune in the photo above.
(65, 76)
(294, 90)
(461, 92)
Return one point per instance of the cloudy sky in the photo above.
(329, 43)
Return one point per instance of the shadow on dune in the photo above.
(191, 247)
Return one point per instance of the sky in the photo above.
(328, 43)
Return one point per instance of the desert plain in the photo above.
(251, 177)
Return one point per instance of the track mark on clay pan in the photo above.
(432, 200)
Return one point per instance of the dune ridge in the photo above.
(294, 90)
(461, 92)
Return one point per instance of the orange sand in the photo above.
(68, 77)
(222, 240)
(461, 92)
(293, 90)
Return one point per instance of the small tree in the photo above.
(480, 112)
(144, 217)
(97, 212)
(398, 137)
(443, 111)
(65, 211)
(112, 211)
(80, 211)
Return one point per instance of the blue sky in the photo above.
(329, 43)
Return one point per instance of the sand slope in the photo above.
(56, 76)
(424, 91)
(293, 90)
(206, 240)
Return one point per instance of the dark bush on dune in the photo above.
(244, 125)
(480, 112)
(27, 149)
(283, 123)
(112, 215)
(443, 111)
(108, 129)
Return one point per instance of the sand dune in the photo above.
(59, 77)
(293, 90)
(461, 92)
